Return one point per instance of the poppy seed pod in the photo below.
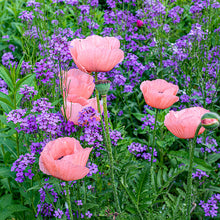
(102, 86)
(210, 120)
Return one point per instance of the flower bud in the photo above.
(210, 120)
(140, 23)
(102, 86)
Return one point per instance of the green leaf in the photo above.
(183, 157)
(26, 80)
(10, 145)
(139, 116)
(213, 158)
(5, 75)
(5, 172)
(29, 80)
(159, 178)
(141, 181)
(5, 99)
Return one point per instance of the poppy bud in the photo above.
(102, 86)
(140, 23)
(210, 120)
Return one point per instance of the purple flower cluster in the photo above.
(93, 168)
(25, 68)
(49, 123)
(141, 151)
(28, 92)
(26, 16)
(3, 86)
(210, 145)
(199, 173)
(148, 120)
(41, 105)
(8, 60)
(174, 14)
(37, 147)
(91, 129)
(20, 165)
(211, 208)
(16, 116)
(115, 136)
(45, 70)
(44, 208)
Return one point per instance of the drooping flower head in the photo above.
(183, 124)
(96, 53)
(78, 83)
(159, 93)
(65, 159)
(75, 105)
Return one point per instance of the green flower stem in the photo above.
(189, 178)
(78, 194)
(153, 147)
(99, 110)
(109, 150)
(68, 200)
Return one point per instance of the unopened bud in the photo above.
(140, 23)
(210, 120)
(102, 86)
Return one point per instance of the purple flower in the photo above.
(93, 169)
(166, 28)
(199, 174)
(58, 213)
(88, 214)
(141, 151)
(79, 202)
(41, 105)
(16, 115)
(28, 92)
(210, 208)
(26, 16)
(20, 165)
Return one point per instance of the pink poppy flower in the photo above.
(76, 104)
(79, 83)
(96, 53)
(159, 93)
(65, 159)
(183, 124)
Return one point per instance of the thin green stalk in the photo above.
(152, 153)
(99, 110)
(189, 178)
(68, 200)
(154, 138)
(109, 149)
(78, 193)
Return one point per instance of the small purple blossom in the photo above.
(20, 165)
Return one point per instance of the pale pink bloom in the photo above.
(65, 159)
(183, 124)
(75, 104)
(96, 53)
(79, 83)
(159, 93)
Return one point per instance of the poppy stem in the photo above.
(99, 110)
(152, 150)
(189, 178)
(109, 150)
(68, 200)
